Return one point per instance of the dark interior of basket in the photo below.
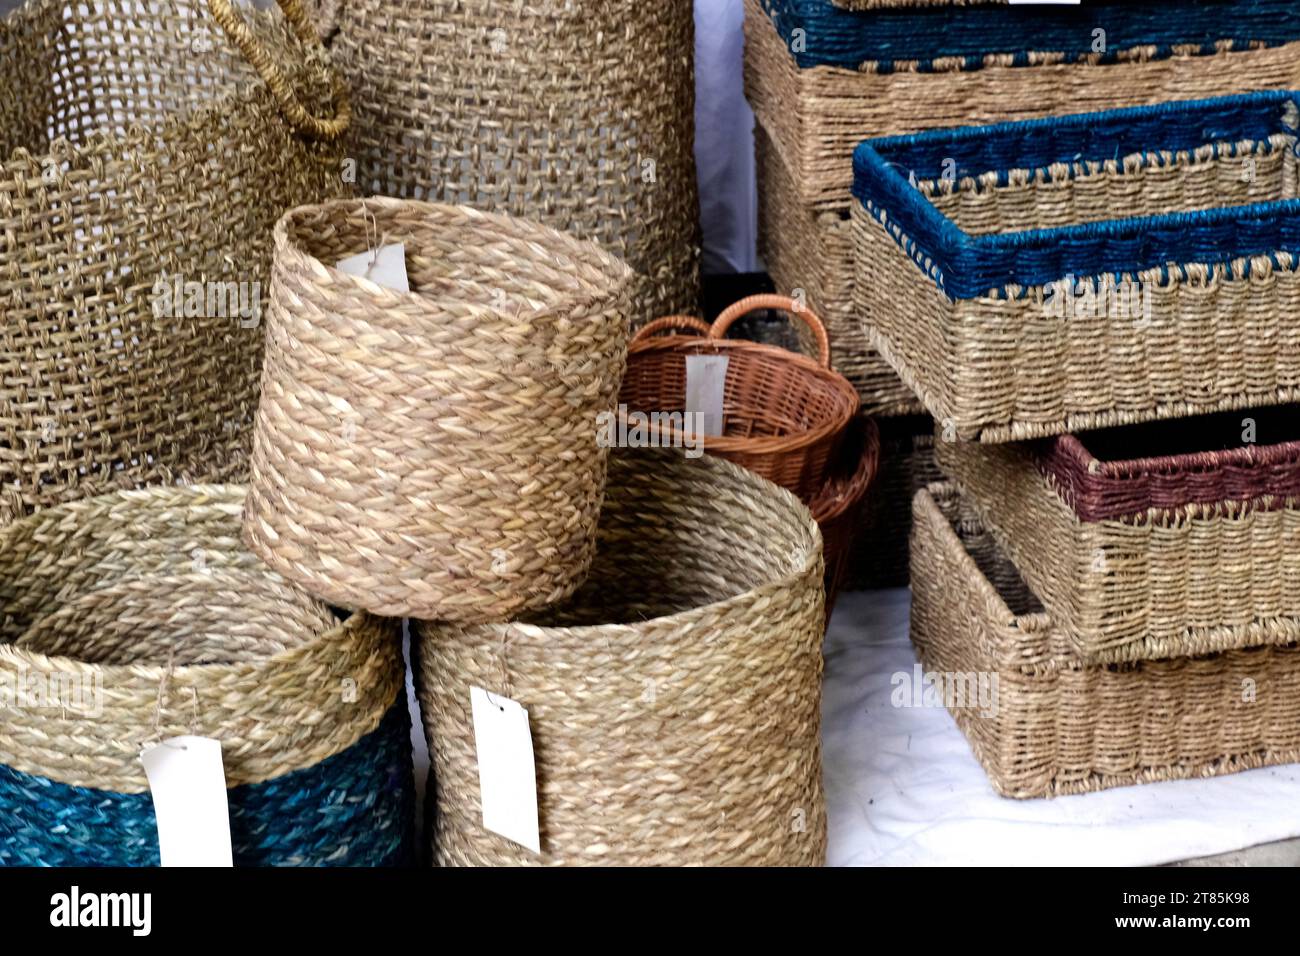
(1194, 437)
(1027, 204)
(985, 551)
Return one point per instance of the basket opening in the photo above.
(1223, 431)
(988, 555)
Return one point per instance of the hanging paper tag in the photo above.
(387, 267)
(507, 776)
(188, 784)
(706, 385)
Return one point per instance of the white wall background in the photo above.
(724, 139)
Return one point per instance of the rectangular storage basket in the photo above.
(1143, 541)
(820, 79)
(811, 252)
(1059, 726)
(994, 278)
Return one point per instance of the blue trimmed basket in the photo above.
(130, 618)
(994, 277)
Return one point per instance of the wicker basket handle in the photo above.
(296, 16)
(781, 303)
(671, 322)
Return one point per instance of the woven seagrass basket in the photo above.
(821, 79)
(134, 617)
(1005, 293)
(674, 701)
(576, 115)
(1043, 723)
(1154, 540)
(784, 415)
(811, 252)
(838, 507)
(435, 453)
(144, 159)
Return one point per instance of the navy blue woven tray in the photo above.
(846, 38)
(967, 266)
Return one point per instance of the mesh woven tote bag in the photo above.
(145, 153)
(577, 115)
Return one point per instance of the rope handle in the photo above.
(671, 322)
(256, 53)
(781, 303)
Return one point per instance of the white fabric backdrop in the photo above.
(724, 139)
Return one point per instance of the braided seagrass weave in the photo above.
(141, 151)
(1168, 569)
(674, 702)
(578, 115)
(1007, 294)
(852, 75)
(1055, 725)
(111, 640)
(435, 454)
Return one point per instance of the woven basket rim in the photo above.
(884, 176)
(681, 344)
(878, 39)
(845, 491)
(583, 633)
(22, 657)
(579, 251)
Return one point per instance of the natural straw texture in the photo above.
(1162, 581)
(811, 252)
(576, 115)
(879, 558)
(139, 149)
(674, 703)
(1059, 726)
(839, 505)
(816, 114)
(435, 453)
(127, 589)
(1016, 306)
(784, 415)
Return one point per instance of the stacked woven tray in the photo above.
(1112, 403)
(821, 79)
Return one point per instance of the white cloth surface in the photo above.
(903, 787)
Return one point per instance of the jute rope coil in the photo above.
(817, 113)
(674, 702)
(576, 115)
(1162, 580)
(141, 153)
(136, 617)
(1178, 304)
(1061, 726)
(435, 454)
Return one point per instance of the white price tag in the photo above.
(387, 267)
(706, 386)
(188, 783)
(507, 776)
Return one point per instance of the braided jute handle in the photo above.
(781, 303)
(257, 54)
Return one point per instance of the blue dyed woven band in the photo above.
(356, 808)
(835, 37)
(966, 266)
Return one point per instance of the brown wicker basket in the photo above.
(784, 414)
(1057, 725)
(809, 253)
(145, 149)
(576, 115)
(838, 506)
(434, 453)
(674, 701)
(1142, 541)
